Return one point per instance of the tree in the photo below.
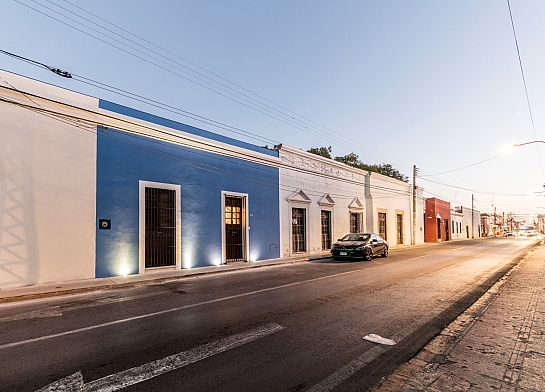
(322, 151)
(389, 171)
(354, 161)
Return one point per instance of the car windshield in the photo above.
(355, 237)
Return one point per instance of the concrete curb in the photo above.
(416, 374)
(119, 282)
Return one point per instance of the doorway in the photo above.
(298, 229)
(160, 227)
(235, 234)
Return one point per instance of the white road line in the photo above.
(419, 257)
(354, 366)
(153, 369)
(74, 331)
(348, 370)
(459, 248)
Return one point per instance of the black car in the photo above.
(363, 246)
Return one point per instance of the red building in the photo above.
(436, 220)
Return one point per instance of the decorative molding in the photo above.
(356, 204)
(299, 197)
(338, 170)
(326, 201)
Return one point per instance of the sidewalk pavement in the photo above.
(156, 276)
(498, 344)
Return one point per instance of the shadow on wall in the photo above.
(18, 236)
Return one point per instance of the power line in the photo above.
(73, 118)
(473, 190)
(525, 88)
(460, 168)
(304, 127)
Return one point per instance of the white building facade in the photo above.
(321, 200)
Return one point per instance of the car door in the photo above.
(374, 243)
(381, 245)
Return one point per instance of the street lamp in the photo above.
(533, 141)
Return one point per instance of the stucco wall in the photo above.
(125, 159)
(47, 188)
(394, 197)
(351, 190)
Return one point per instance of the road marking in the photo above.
(459, 248)
(153, 369)
(347, 370)
(419, 257)
(161, 312)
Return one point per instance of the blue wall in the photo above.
(124, 159)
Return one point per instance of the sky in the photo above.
(436, 84)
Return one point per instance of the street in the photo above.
(296, 327)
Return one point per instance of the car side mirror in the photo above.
(374, 240)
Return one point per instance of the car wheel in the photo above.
(385, 253)
(367, 254)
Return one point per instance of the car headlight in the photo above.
(360, 247)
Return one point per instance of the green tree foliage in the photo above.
(354, 161)
(322, 151)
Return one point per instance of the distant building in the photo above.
(437, 220)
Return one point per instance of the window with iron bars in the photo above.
(326, 230)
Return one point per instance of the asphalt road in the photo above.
(293, 327)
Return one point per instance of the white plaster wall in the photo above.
(395, 197)
(457, 218)
(466, 220)
(317, 177)
(47, 189)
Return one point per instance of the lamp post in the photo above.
(533, 141)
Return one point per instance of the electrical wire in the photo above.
(99, 123)
(304, 128)
(475, 191)
(460, 168)
(525, 88)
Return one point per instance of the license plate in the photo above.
(342, 253)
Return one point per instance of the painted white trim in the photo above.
(326, 201)
(331, 210)
(305, 206)
(246, 208)
(356, 204)
(299, 197)
(142, 185)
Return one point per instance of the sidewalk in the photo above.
(498, 344)
(94, 284)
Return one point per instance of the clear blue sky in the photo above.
(431, 83)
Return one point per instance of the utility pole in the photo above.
(413, 239)
(472, 220)
(495, 228)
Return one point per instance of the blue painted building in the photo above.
(181, 198)
(94, 189)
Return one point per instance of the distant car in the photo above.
(359, 245)
(509, 234)
(528, 231)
